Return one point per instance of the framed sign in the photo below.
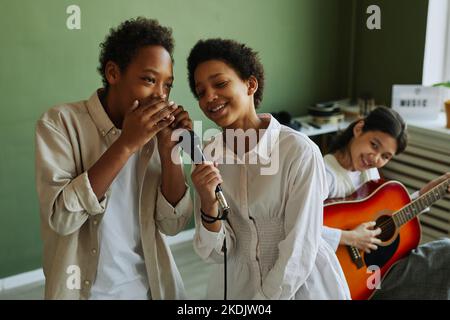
(416, 102)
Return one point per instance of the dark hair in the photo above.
(123, 43)
(238, 56)
(380, 119)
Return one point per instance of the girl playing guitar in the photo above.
(354, 159)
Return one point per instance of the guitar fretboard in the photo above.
(421, 203)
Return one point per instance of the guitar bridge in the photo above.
(355, 256)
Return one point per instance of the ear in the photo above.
(112, 72)
(252, 85)
(358, 128)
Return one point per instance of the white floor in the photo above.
(193, 270)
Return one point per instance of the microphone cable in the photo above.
(209, 219)
(191, 144)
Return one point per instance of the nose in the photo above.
(210, 95)
(376, 159)
(159, 92)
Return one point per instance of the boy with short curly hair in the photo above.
(107, 186)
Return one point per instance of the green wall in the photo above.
(392, 55)
(303, 45)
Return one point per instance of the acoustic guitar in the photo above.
(390, 205)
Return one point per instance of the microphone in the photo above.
(190, 142)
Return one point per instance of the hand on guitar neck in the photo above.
(430, 185)
(363, 237)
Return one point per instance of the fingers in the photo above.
(204, 174)
(160, 109)
(150, 111)
(155, 128)
(370, 224)
(134, 106)
(376, 241)
(165, 114)
(178, 111)
(182, 119)
(201, 171)
(212, 178)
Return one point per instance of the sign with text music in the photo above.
(416, 102)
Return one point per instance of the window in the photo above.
(436, 66)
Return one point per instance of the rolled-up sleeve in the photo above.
(66, 198)
(303, 228)
(170, 219)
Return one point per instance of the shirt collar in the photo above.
(99, 115)
(269, 139)
(263, 149)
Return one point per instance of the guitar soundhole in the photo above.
(387, 225)
(382, 255)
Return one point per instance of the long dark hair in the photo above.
(380, 119)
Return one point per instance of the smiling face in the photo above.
(223, 96)
(148, 77)
(371, 149)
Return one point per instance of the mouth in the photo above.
(217, 109)
(366, 164)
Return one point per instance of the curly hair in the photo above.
(122, 44)
(238, 56)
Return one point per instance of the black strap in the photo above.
(210, 219)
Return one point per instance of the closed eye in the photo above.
(149, 80)
(221, 84)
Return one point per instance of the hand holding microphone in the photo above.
(206, 178)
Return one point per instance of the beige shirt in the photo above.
(69, 139)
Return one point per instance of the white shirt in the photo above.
(343, 182)
(121, 272)
(273, 232)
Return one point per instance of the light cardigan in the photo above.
(69, 139)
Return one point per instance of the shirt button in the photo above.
(87, 282)
(94, 251)
(103, 133)
(114, 132)
(95, 222)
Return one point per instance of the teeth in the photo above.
(217, 108)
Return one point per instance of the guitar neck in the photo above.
(413, 209)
